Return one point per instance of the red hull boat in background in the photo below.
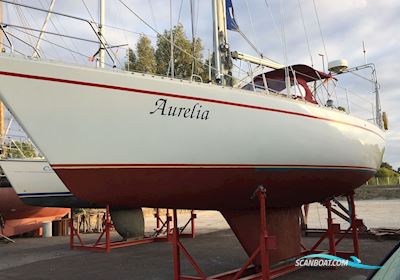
(18, 218)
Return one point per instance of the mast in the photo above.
(217, 56)
(2, 131)
(37, 46)
(222, 55)
(192, 15)
(101, 33)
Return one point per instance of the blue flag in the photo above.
(230, 16)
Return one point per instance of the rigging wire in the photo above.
(251, 44)
(103, 38)
(23, 20)
(162, 35)
(130, 31)
(305, 33)
(287, 80)
(180, 11)
(64, 30)
(58, 31)
(152, 14)
(276, 29)
(197, 16)
(37, 50)
(172, 63)
(192, 15)
(88, 11)
(60, 46)
(320, 30)
(7, 13)
(252, 25)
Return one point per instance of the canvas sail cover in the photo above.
(231, 23)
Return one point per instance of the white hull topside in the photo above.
(33, 178)
(84, 116)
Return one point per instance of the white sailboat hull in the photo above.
(111, 134)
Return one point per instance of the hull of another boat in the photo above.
(20, 218)
(36, 184)
(134, 140)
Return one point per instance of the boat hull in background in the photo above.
(36, 184)
(21, 218)
(135, 140)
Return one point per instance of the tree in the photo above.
(146, 60)
(386, 165)
(184, 52)
(131, 63)
(19, 149)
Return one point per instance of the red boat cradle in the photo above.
(264, 271)
(164, 226)
(355, 225)
(161, 233)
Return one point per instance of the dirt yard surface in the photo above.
(215, 248)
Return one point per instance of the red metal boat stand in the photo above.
(161, 233)
(164, 226)
(355, 225)
(100, 246)
(265, 271)
(247, 271)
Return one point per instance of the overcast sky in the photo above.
(344, 23)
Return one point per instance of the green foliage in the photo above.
(146, 61)
(183, 51)
(386, 172)
(386, 165)
(187, 55)
(16, 147)
(131, 63)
